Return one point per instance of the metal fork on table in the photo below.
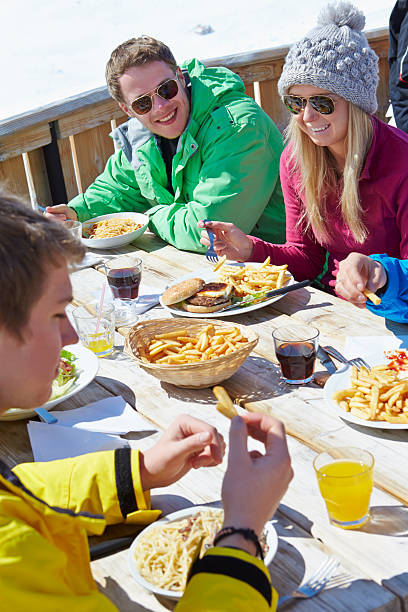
(315, 583)
(356, 361)
(210, 255)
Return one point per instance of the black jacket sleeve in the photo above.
(398, 62)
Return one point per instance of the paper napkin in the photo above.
(111, 415)
(50, 442)
(373, 346)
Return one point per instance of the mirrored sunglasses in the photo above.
(322, 104)
(167, 91)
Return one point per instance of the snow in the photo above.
(53, 49)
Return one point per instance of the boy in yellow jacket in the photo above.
(47, 510)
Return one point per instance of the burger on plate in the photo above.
(195, 295)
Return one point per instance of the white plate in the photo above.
(87, 365)
(342, 380)
(269, 530)
(210, 276)
(116, 241)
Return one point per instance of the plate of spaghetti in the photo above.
(161, 556)
(113, 230)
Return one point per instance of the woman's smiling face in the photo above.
(324, 130)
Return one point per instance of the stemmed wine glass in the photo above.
(124, 275)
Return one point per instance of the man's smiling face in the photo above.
(166, 118)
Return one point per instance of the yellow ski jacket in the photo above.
(47, 510)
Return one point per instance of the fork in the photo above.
(315, 583)
(356, 361)
(210, 255)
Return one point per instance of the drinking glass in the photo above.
(96, 332)
(75, 227)
(345, 477)
(296, 347)
(124, 275)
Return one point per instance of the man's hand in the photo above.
(356, 273)
(187, 443)
(61, 212)
(254, 483)
(228, 240)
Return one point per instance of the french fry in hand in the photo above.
(372, 297)
(224, 405)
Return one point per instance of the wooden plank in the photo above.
(13, 177)
(24, 140)
(91, 150)
(249, 90)
(271, 103)
(84, 119)
(67, 164)
(37, 174)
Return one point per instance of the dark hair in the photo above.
(135, 52)
(29, 244)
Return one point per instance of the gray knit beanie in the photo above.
(335, 56)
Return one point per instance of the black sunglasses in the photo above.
(322, 104)
(167, 91)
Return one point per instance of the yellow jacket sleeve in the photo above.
(105, 483)
(228, 580)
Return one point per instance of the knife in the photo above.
(326, 360)
(269, 294)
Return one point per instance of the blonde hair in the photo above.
(318, 174)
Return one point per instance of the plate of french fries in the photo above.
(377, 397)
(250, 281)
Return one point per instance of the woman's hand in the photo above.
(228, 240)
(254, 483)
(60, 212)
(355, 274)
(187, 443)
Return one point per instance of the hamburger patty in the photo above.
(206, 301)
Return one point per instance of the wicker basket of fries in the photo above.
(190, 353)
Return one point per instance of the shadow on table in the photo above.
(117, 388)
(383, 434)
(114, 592)
(388, 520)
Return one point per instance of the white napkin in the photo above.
(373, 346)
(111, 415)
(148, 297)
(50, 442)
(90, 259)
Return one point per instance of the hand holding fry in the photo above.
(228, 240)
(224, 404)
(358, 278)
(254, 483)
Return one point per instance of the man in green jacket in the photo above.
(196, 147)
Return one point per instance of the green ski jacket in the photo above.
(226, 168)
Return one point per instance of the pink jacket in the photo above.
(383, 188)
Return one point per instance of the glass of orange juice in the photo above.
(345, 478)
(96, 332)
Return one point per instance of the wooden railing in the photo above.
(51, 154)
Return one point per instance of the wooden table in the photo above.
(373, 574)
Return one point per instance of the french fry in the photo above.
(247, 279)
(224, 404)
(372, 297)
(180, 347)
(220, 263)
(375, 395)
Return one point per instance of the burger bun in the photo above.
(203, 309)
(182, 291)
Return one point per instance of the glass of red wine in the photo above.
(296, 347)
(124, 275)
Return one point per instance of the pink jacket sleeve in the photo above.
(303, 254)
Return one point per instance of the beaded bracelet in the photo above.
(247, 534)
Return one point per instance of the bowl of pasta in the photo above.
(113, 230)
(161, 556)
